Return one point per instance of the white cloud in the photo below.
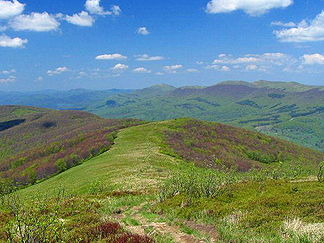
(9, 9)
(256, 62)
(159, 73)
(270, 58)
(120, 67)
(282, 24)
(219, 68)
(142, 31)
(313, 59)
(81, 19)
(7, 80)
(115, 56)
(192, 70)
(146, 57)
(7, 72)
(225, 69)
(238, 60)
(93, 6)
(57, 71)
(141, 70)
(253, 67)
(251, 7)
(304, 32)
(39, 22)
(6, 41)
(115, 10)
(172, 68)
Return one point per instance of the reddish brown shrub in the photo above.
(107, 229)
(133, 238)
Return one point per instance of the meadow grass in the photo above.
(124, 184)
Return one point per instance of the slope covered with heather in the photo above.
(37, 143)
(218, 146)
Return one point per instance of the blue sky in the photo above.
(103, 44)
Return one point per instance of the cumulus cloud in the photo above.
(6, 41)
(40, 22)
(9, 9)
(7, 80)
(253, 67)
(313, 59)
(80, 19)
(142, 31)
(256, 62)
(146, 57)
(172, 68)
(305, 31)
(115, 10)
(57, 71)
(283, 24)
(119, 67)
(141, 70)
(270, 58)
(7, 72)
(251, 7)
(94, 7)
(115, 56)
(219, 68)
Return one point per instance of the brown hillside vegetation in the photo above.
(37, 143)
(218, 146)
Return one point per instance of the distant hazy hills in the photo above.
(286, 109)
(73, 99)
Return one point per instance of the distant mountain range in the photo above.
(285, 109)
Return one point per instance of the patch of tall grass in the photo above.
(196, 183)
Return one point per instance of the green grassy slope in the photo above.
(142, 155)
(125, 183)
(133, 162)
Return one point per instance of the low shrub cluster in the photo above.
(64, 218)
(196, 184)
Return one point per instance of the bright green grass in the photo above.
(134, 163)
(262, 206)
